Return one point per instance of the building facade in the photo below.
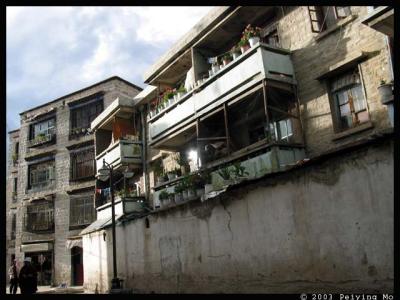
(223, 117)
(51, 182)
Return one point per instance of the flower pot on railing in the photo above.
(235, 55)
(185, 195)
(171, 175)
(178, 197)
(253, 41)
(191, 194)
(386, 92)
(199, 192)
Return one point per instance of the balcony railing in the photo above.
(260, 62)
(264, 158)
(41, 139)
(121, 153)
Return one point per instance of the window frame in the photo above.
(76, 155)
(81, 112)
(49, 172)
(81, 205)
(334, 103)
(39, 217)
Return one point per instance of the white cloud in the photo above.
(52, 51)
(160, 24)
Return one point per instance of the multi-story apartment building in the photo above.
(257, 125)
(51, 182)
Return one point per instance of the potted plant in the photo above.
(178, 197)
(181, 91)
(185, 186)
(15, 157)
(171, 174)
(182, 161)
(226, 59)
(163, 198)
(208, 187)
(235, 51)
(198, 184)
(385, 91)
(159, 171)
(225, 173)
(239, 171)
(252, 34)
(243, 44)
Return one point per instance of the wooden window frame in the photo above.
(49, 170)
(335, 107)
(82, 116)
(318, 20)
(78, 204)
(39, 217)
(87, 156)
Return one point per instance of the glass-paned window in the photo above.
(82, 117)
(82, 164)
(82, 211)
(39, 217)
(44, 129)
(349, 98)
(41, 175)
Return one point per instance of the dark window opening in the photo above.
(83, 164)
(82, 116)
(324, 17)
(82, 211)
(40, 217)
(269, 35)
(349, 100)
(13, 226)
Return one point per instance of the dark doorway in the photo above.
(77, 265)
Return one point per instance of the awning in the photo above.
(99, 224)
(37, 247)
(73, 243)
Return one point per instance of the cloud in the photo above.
(53, 51)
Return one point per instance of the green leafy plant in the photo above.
(225, 173)
(206, 176)
(239, 170)
(251, 31)
(178, 188)
(182, 89)
(169, 93)
(227, 57)
(235, 49)
(181, 160)
(15, 157)
(158, 168)
(163, 195)
(243, 42)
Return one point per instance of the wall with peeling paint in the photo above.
(327, 227)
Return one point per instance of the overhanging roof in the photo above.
(118, 105)
(209, 20)
(147, 94)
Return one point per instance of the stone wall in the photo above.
(112, 88)
(325, 227)
(313, 54)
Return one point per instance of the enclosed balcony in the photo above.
(117, 135)
(262, 62)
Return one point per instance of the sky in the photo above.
(54, 51)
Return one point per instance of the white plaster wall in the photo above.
(327, 227)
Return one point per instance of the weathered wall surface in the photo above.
(313, 54)
(62, 255)
(325, 227)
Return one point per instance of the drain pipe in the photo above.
(144, 151)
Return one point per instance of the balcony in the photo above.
(258, 63)
(42, 139)
(117, 131)
(261, 159)
(123, 205)
(123, 152)
(381, 19)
